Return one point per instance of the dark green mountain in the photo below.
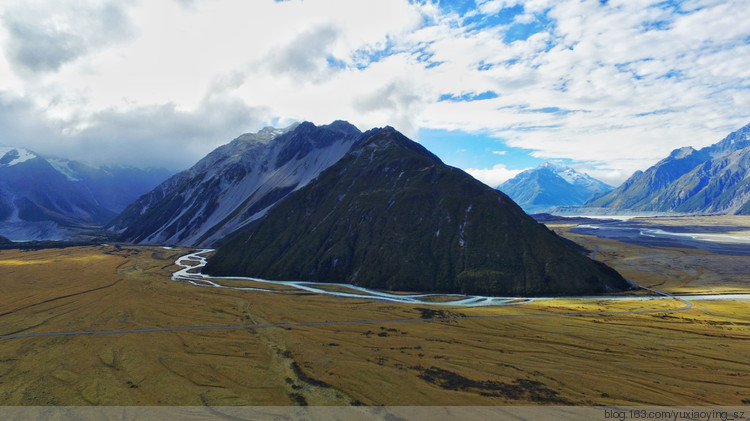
(391, 215)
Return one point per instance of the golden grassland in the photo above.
(533, 353)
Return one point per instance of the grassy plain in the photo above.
(534, 353)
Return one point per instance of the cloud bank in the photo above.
(612, 86)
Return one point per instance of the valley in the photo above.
(210, 208)
(144, 339)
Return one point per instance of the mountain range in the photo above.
(549, 185)
(389, 214)
(234, 185)
(317, 203)
(712, 180)
(46, 198)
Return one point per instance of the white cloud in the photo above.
(494, 176)
(627, 93)
(305, 58)
(489, 7)
(41, 37)
(616, 85)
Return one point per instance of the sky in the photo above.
(491, 86)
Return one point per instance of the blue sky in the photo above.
(476, 151)
(490, 86)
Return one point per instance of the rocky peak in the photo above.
(682, 152)
(342, 126)
(265, 135)
(735, 141)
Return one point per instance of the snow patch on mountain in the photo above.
(10, 156)
(63, 167)
(576, 178)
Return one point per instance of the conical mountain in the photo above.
(391, 215)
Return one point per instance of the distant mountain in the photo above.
(234, 185)
(114, 187)
(389, 214)
(714, 179)
(549, 185)
(44, 198)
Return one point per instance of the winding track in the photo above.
(199, 279)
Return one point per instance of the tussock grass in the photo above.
(694, 357)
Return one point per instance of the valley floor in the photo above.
(373, 353)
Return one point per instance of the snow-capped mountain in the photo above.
(234, 185)
(10, 156)
(714, 179)
(550, 185)
(48, 198)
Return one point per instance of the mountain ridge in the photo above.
(233, 185)
(714, 179)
